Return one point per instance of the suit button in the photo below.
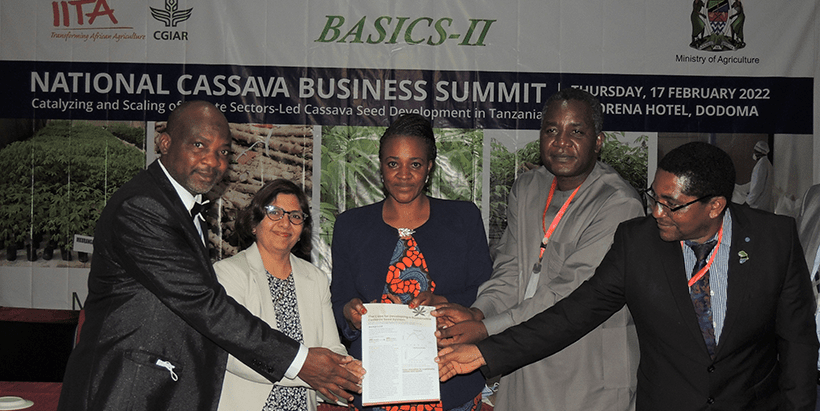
(710, 400)
(711, 368)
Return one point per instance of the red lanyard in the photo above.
(703, 270)
(561, 212)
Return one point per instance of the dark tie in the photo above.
(701, 295)
(198, 218)
(198, 208)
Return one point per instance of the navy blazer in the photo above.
(158, 325)
(768, 349)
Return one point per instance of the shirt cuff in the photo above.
(497, 323)
(298, 362)
(485, 306)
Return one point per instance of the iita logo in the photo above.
(717, 25)
(171, 16)
(73, 13)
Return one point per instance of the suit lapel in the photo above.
(739, 275)
(306, 290)
(176, 208)
(672, 260)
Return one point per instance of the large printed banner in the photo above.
(355, 96)
(309, 85)
(657, 66)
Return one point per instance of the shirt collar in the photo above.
(185, 196)
(727, 227)
(727, 230)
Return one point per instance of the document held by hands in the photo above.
(398, 353)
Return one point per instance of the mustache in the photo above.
(207, 171)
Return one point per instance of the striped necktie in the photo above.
(701, 295)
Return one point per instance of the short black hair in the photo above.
(708, 169)
(584, 97)
(412, 125)
(178, 120)
(254, 212)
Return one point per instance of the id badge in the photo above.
(532, 285)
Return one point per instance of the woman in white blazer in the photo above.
(271, 280)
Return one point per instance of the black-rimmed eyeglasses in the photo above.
(653, 202)
(296, 217)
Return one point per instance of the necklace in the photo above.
(405, 232)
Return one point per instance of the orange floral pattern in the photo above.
(407, 274)
(415, 407)
(473, 405)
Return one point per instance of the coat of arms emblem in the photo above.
(717, 25)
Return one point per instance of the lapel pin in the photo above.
(743, 256)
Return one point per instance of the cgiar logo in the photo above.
(171, 16)
(717, 25)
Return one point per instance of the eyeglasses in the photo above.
(650, 194)
(275, 213)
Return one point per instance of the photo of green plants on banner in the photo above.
(56, 183)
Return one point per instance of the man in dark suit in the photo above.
(729, 328)
(158, 325)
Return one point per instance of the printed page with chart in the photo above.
(398, 353)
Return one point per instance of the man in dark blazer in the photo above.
(158, 325)
(762, 347)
